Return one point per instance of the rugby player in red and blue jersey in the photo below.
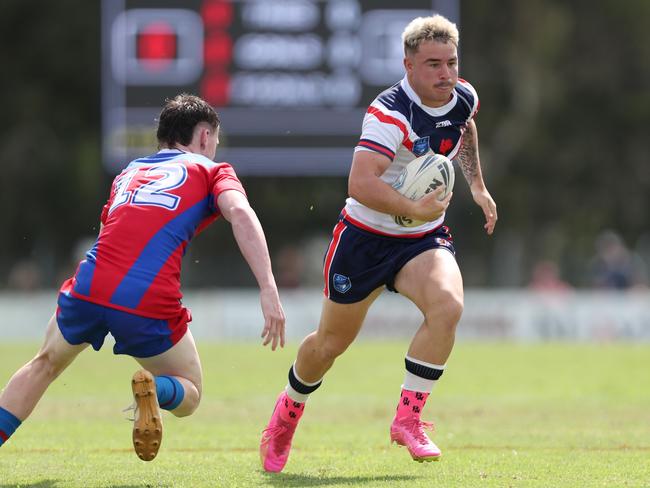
(129, 283)
(431, 110)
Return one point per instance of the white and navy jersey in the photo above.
(401, 128)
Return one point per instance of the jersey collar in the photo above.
(435, 111)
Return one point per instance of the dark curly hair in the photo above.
(179, 117)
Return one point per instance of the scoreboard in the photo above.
(290, 79)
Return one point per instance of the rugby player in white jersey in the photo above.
(430, 110)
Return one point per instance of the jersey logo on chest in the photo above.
(446, 145)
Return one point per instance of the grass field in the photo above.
(507, 415)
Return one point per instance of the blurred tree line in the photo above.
(565, 110)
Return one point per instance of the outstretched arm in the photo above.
(470, 165)
(251, 241)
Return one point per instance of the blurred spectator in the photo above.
(290, 267)
(314, 248)
(642, 248)
(546, 278)
(616, 267)
(25, 275)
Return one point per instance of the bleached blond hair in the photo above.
(434, 28)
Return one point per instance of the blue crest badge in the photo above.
(421, 146)
(341, 283)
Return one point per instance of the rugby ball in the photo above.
(421, 176)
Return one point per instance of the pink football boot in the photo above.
(276, 438)
(409, 432)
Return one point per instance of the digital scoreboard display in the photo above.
(290, 79)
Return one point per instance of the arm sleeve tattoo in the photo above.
(468, 155)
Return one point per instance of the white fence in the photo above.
(489, 315)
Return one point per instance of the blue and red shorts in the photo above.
(81, 321)
(359, 261)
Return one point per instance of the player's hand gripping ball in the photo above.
(421, 176)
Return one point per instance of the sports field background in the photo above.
(545, 415)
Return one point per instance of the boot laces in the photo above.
(131, 408)
(417, 428)
(280, 434)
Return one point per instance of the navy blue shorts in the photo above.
(359, 261)
(81, 321)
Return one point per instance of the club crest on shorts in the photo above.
(442, 242)
(421, 146)
(446, 244)
(341, 283)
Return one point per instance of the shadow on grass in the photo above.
(55, 484)
(287, 479)
(40, 484)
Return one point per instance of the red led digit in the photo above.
(157, 44)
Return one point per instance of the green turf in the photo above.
(507, 415)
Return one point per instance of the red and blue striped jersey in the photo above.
(156, 206)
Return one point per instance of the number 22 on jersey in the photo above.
(153, 190)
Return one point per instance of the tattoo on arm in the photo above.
(468, 155)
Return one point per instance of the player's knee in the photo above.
(191, 400)
(187, 408)
(446, 310)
